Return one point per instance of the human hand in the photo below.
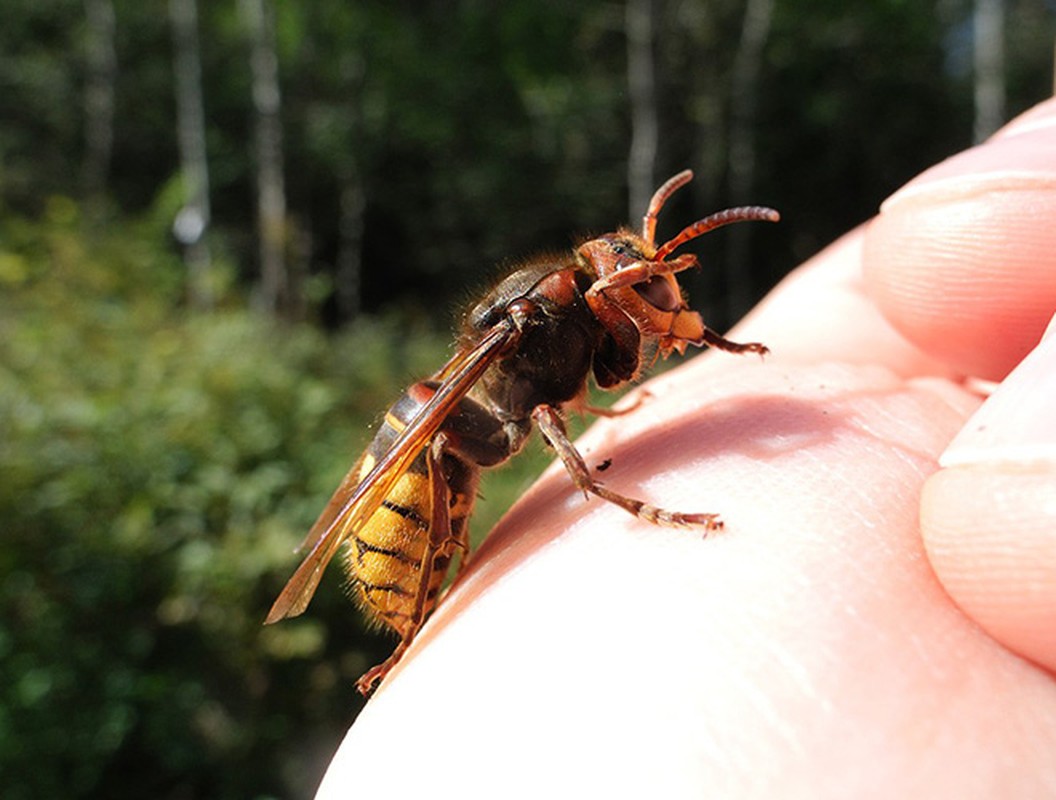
(808, 650)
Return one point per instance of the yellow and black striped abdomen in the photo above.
(385, 559)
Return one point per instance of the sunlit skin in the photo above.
(868, 624)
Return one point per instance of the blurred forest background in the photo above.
(232, 232)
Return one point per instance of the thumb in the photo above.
(988, 517)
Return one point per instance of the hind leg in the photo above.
(553, 428)
(439, 548)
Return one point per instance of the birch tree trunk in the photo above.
(101, 62)
(989, 57)
(743, 106)
(192, 222)
(275, 284)
(641, 82)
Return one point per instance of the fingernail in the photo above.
(1017, 423)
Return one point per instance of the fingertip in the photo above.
(989, 517)
(990, 534)
(961, 260)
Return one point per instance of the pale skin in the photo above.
(868, 624)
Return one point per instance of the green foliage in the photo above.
(158, 468)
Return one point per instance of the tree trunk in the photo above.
(641, 81)
(989, 56)
(192, 222)
(707, 102)
(743, 105)
(275, 284)
(349, 282)
(101, 63)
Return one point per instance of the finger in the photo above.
(962, 260)
(989, 517)
(822, 312)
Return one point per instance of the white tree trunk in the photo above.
(989, 56)
(641, 80)
(101, 75)
(192, 222)
(275, 289)
(743, 105)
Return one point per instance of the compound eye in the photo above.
(659, 293)
(624, 249)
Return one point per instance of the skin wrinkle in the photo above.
(1003, 559)
(763, 702)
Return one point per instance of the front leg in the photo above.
(553, 428)
(580, 406)
(713, 339)
(641, 271)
